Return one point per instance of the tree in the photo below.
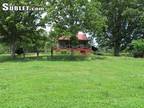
(36, 41)
(71, 16)
(16, 26)
(124, 21)
(53, 36)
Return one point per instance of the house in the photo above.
(65, 43)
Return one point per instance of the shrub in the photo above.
(138, 48)
(3, 49)
(63, 52)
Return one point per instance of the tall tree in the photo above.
(124, 21)
(16, 25)
(71, 16)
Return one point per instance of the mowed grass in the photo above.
(100, 83)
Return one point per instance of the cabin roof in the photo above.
(64, 38)
(82, 36)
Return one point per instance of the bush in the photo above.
(63, 52)
(138, 48)
(3, 49)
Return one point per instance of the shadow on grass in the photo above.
(6, 58)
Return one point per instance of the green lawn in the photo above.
(108, 82)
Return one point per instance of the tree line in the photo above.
(114, 23)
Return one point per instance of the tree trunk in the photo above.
(37, 53)
(72, 52)
(51, 51)
(13, 48)
(116, 49)
(116, 40)
(24, 55)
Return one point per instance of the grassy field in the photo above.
(106, 82)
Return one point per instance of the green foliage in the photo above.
(138, 48)
(74, 41)
(76, 15)
(3, 49)
(19, 27)
(64, 52)
(94, 21)
(124, 23)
